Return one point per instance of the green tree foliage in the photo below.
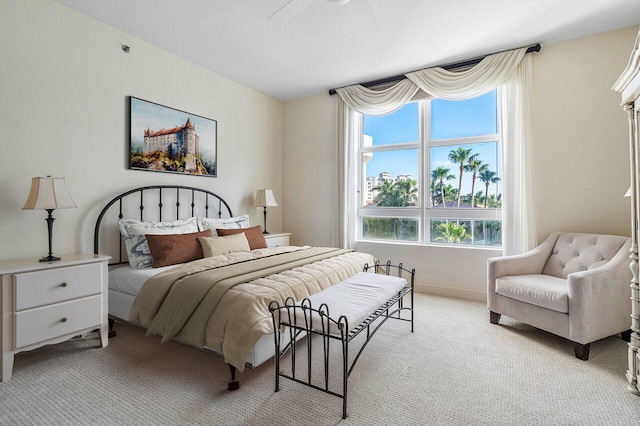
(474, 165)
(390, 228)
(487, 176)
(452, 233)
(167, 162)
(440, 175)
(403, 193)
(460, 156)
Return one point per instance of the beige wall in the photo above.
(580, 135)
(580, 163)
(63, 112)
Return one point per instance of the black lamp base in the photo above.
(265, 221)
(49, 220)
(49, 258)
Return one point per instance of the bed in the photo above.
(216, 300)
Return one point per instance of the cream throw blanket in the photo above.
(221, 302)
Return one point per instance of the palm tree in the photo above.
(452, 232)
(434, 191)
(495, 202)
(441, 174)
(487, 176)
(474, 165)
(408, 191)
(460, 156)
(403, 193)
(385, 193)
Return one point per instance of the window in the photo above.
(431, 173)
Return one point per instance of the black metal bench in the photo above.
(303, 320)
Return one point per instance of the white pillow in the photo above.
(214, 246)
(133, 233)
(238, 222)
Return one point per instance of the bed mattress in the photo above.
(127, 280)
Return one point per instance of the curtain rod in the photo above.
(467, 63)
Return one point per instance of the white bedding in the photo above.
(125, 284)
(129, 281)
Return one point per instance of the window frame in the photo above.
(422, 212)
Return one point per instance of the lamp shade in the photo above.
(49, 193)
(264, 198)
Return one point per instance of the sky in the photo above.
(449, 119)
(146, 115)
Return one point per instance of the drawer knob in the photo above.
(63, 285)
(64, 319)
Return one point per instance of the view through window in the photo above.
(431, 173)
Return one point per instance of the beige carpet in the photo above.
(455, 369)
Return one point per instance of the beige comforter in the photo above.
(221, 302)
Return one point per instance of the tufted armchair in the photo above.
(573, 285)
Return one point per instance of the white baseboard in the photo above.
(457, 293)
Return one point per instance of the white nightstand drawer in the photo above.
(277, 240)
(47, 322)
(56, 285)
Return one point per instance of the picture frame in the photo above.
(165, 139)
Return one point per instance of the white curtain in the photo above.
(364, 101)
(518, 215)
(378, 102)
(490, 73)
(347, 160)
(505, 69)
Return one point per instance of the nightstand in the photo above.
(50, 302)
(276, 240)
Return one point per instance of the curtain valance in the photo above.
(490, 73)
(437, 82)
(378, 102)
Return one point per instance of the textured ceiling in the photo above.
(325, 46)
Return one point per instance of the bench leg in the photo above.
(345, 376)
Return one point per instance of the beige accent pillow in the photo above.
(214, 246)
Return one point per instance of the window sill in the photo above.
(430, 245)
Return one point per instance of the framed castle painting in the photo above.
(164, 139)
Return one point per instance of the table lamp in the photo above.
(264, 198)
(49, 193)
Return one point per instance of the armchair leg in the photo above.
(626, 335)
(582, 351)
(494, 317)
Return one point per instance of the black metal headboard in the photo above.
(166, 202)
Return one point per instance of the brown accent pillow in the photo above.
(171, 249)
(253, 234)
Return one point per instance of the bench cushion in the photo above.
(356, 298)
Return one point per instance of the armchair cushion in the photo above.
(540, 290)
(581, 252)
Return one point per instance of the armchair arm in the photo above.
(599, 303)
(531, 262)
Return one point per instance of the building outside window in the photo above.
(430, 173)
